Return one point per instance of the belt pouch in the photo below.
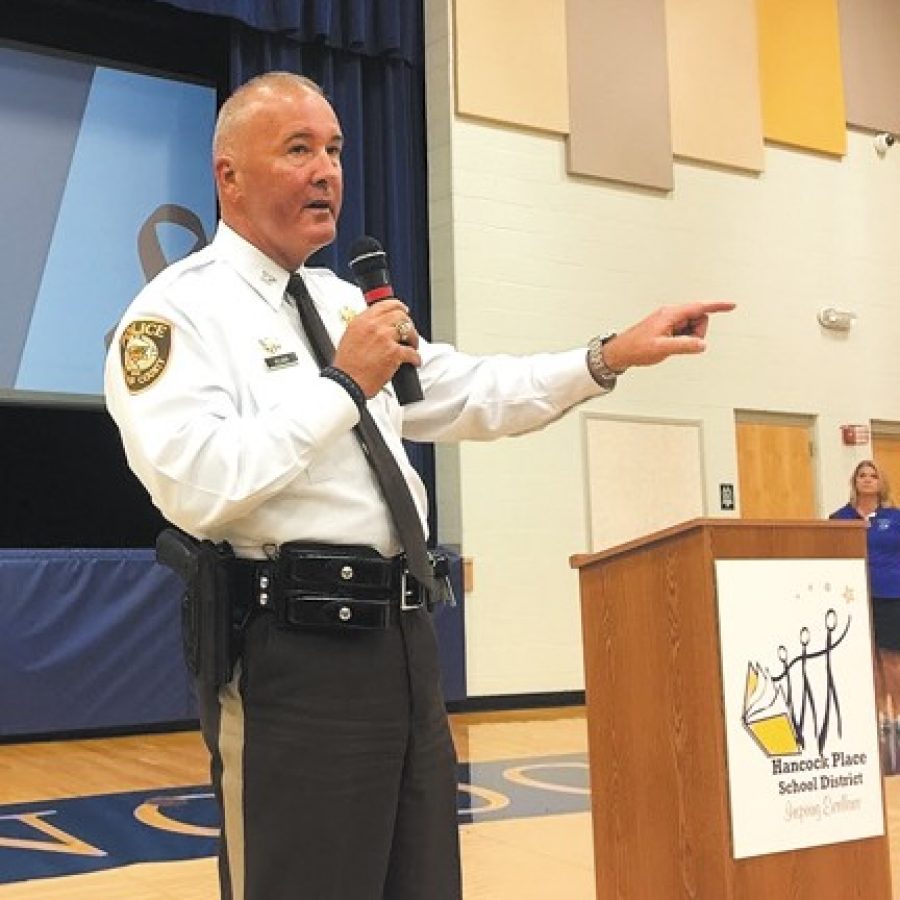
(341, 587)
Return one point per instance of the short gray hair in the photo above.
(236, 105)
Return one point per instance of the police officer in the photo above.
(331, 755)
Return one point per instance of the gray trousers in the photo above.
(334, 768)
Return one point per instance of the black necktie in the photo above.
(393, 485)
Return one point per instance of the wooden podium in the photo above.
(656, 729)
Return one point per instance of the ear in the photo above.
(226, 175)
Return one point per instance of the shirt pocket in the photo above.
(323, 468)
(279, 379)
(281, 386)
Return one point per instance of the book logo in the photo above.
(782, 713)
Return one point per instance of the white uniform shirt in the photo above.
(236, 436)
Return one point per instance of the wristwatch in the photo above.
(603, 374)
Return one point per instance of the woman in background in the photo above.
(870, 500)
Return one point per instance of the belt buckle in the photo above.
(404, 605)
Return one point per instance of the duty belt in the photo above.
(336, 586)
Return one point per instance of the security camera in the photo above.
(883, 142)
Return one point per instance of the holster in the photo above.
(210, 615)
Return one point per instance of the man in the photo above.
(331, 754)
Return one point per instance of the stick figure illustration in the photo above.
(807, 693)
(831, 695)
(788, 687)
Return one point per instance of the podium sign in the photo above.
(800, 720)
(669, 748)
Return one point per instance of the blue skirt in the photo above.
(886, 622)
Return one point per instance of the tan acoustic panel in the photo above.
(511, 62)
(800, 74)
(870, 48)
(619, 121)
(624, 503)
(714, 82)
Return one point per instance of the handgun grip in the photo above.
(180, 552)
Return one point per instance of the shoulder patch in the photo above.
(145, 347)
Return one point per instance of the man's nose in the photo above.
(324, 169)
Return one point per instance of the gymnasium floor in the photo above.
(526, 835)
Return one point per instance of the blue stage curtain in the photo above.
(368, 27)
(368, 56)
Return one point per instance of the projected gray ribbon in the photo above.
(150, 251)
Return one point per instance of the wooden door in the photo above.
(886, 453)
(775, 472)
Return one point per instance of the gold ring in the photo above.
(404, 327)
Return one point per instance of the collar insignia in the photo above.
(348, 314)
(267, 277)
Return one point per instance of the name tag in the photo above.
(281, 361)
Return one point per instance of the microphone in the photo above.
(368, 263)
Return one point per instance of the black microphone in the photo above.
(368, 263)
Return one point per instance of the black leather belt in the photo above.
(334, 586)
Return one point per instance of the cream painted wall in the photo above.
(525, 259)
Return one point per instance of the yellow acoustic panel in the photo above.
(714, 82)
(800, 74)
(511, 62)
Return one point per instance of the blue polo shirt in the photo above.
(883, 539)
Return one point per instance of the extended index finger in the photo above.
(692, 319)
(704, 308)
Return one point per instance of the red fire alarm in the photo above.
(854, 435)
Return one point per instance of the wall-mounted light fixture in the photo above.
(884, 142)
(836, 319)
